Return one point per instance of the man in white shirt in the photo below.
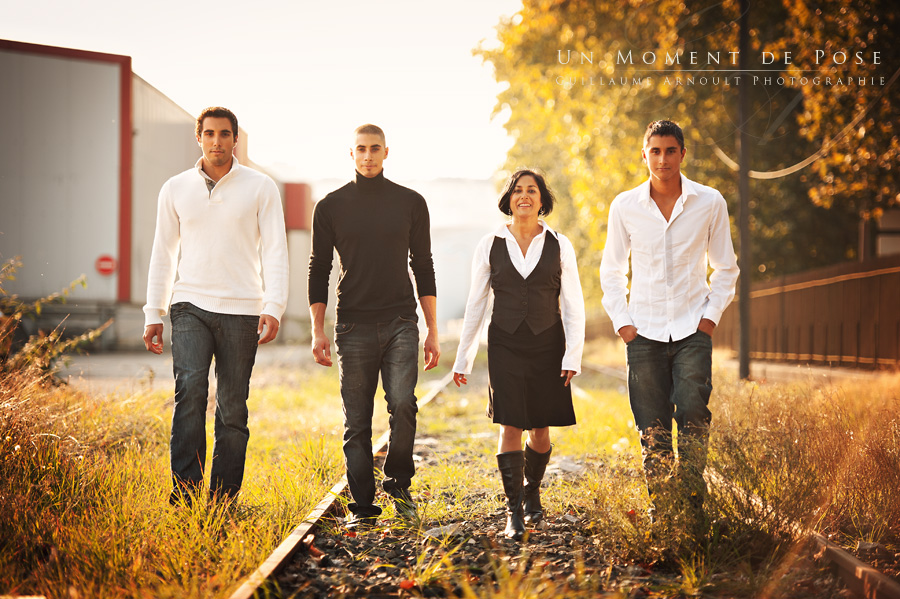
(228, 224)
(674, 229)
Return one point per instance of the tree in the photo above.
(854, 41)
(585, 77)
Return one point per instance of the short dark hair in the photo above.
(370, 129)
(663, 128)
(547, 198)
(219, 113)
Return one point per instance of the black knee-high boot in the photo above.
(535, 465)
(511, 465)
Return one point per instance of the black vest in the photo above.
(534, 299)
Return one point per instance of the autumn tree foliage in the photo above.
(859, 123)
(585, 77)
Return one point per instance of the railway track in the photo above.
(277, 560)
(396, 563)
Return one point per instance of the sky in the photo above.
(302, 75)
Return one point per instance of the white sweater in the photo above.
(219, 233)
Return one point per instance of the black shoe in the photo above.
(404, 506)
(511, 465)
(221, 497)
(535, 466)
(183, 495)
(359, 523)
(181, 500)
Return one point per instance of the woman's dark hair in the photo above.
(547, 198)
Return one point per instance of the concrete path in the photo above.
(133, 371)
(776, 372)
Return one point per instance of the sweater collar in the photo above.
(235, 165)
(370, 185)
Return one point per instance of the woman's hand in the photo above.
(459, 378)
(567, 374)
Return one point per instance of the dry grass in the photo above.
(83, 505)
(826, 457)
(83, 510)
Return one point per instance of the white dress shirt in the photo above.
(571, 300)
(669, 262)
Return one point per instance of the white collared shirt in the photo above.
(669, 262)
(571, 300)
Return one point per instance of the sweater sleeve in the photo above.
(163, 257)
(420, 250)
(274, 250)
(321, 254)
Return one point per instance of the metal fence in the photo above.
(846, 315)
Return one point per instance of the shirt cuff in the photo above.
(622, 321)
(273, 311)
(571, 366)
(713, 315)
(152, 316)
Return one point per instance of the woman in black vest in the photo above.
(535, 339)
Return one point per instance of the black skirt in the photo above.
(525, 389)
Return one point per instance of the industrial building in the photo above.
(87, 146)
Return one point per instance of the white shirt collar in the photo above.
(504, 232)
(687, 190)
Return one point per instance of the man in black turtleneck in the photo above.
(379, 230)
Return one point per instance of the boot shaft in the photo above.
(535, 465)
(512, 472)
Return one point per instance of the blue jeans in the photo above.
(364, 350)
(197, 336)
(669, 380)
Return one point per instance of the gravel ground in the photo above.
(469, 558)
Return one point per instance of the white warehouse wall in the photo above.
(59, 171)
(163, 146)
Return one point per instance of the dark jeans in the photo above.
(364, 350)
(197, 336)
(669, 380)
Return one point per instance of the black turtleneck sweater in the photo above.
(377, 227)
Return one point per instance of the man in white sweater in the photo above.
(228, 223)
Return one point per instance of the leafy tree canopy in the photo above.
(585, 77)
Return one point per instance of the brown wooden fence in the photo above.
(845, 315)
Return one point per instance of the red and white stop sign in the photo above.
(106, 265)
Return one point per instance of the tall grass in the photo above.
(826, 457)
(83, 510)
(83, 503)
